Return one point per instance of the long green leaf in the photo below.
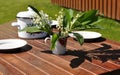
(32, 29)
(35, 10)
(55, 37)
(88, 15)
(69, 14)
(79, 38)
(69, 17)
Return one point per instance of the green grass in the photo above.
(111, 29)
(10, 8)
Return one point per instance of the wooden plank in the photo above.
(39, 62)
(118, 10)
(105, 7)
(97, 5)
(114, 5)
(86, 63)
(93, 4)
(101, 6)
(90, 4)
(8, 69)
(83, 5)
(80, 6)
(68, 3)
(64, 65)
(77, 4)
(87, 5)
(92, 46)
(109, 8)
(23, 65)
(64, 3)
(74, 4)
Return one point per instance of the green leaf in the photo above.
(65, 22)
(55, 37)
(69, 14)
(98, 21)
(79, 38)
(35, 10)
(86, 22)
(88, 17)
(32, 29)
(47, 29)
(69, 17)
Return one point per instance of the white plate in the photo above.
(53, 23)
(6, 44)
(87, 34)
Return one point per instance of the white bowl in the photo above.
(24, 34)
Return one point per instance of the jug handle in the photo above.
(47, 38)
(15, 24)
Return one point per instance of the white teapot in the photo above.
(24, 19)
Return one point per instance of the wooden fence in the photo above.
(110, 8)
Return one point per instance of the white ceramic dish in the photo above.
(87, 34)
(7, 44)
(53, 23)
(23, 34)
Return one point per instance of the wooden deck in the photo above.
(99, 56)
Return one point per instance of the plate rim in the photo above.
(71, 35)
(25, 43)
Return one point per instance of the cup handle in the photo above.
(47, 38)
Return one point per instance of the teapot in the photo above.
(24, 19)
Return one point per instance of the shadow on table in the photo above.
(18, 50)
(94, 40)
(47, 51)
(103, 54)
(115, 72)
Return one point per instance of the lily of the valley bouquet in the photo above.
(68, 22)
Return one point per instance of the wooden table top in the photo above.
(99, 56)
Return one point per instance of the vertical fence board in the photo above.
(80, 6)
(101, 5)
(90, 4)
(97, 4)
(77, 4)
(105, 4)
(87, 4)
(94, 4)
(69, 3)
(110, 8)
(118, 9)
(113, 8)
(83, 5)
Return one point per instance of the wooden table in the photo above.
(99, 56)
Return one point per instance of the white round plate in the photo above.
(6, 44)
(53, 23)
(87, 34)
